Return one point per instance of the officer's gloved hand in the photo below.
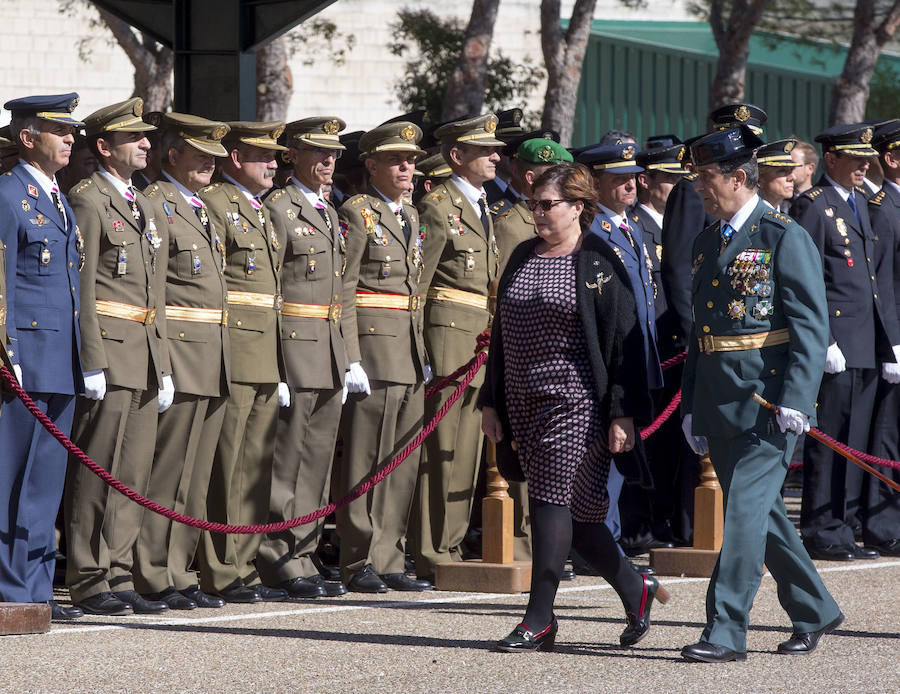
(698, 444)
(429, 374)
(166, 394)
(284, 395)
(890, 371)
(834, 360)
(95, 385)
(790, 419)
(18, 371)
(356, 380)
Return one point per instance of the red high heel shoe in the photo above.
(639, 624)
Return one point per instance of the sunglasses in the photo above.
(545, 205)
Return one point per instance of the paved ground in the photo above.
(441, 642)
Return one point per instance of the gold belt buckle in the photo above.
(335, 312)
(707, 344)
(415, 301)
(278, 303)
(151, 316)
(225, 316)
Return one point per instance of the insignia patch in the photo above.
(736, 309)
(628, 152)
(866, 136)
(219, 132)
(606, 225)
(545, 153)
(829, 212)
(25, 205)
(32, 191)
(598, 283)
(680, 154)
(491, 125)
(788, 146)
(762, 309)
(841, 226)
(74, 104)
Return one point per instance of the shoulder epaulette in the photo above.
(877, 198)
(277, 194)
(357, 200)
(693, 176)
(434, 195)
(812, 193)
(152, 190)
(500, 207)
(775, 214)
(211, 187)
(8, 173)
(84, 185)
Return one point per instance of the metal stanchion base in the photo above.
(476, 576)
(24, 618)
(684, 561)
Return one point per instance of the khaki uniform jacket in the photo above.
(312, 273)
(388, 342)
(251, 265)
(513, 226)
(458, 255)
(124, 261)
(199, 352)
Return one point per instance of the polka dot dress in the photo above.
(549, 389)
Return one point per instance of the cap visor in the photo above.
(212, 148)
(65, 120)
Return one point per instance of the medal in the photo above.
(122, 261)
(45, 256)
(736, 309)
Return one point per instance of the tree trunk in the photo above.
(468, 82)
(850, 91)
(733, 42)
(275, 83)
(152, 63)
(563, 58)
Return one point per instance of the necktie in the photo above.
(323, 210)
(404, 223)
(623, 227)
(54, 193)
(727, 233)
(197, 205)
(257, 205)
(132, 198)
(485, 222)
(852, 202)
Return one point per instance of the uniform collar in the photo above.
(743, 214)
(247, 193)
(121, 186)
(654, 215)
(395, 208)
(843, 192)
(616, 219)
(895, 186)
(185, 193)
(47, 184)
(307, 192)
(472, 194)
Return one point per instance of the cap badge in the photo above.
(490, 126)
(680, 154)
(628, 152)
(331, 127)
(74, 104)
(788, 147)
(742, 113)
(277, 132)
(408, 133)
(545, 153)
(866, 136)
(139, 107)
(517, 117)
(219, 132)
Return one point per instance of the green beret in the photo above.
(542, 151)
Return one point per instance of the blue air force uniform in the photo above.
(42, 264)
(759, 327)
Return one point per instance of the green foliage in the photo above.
(431, 47)
(320, 38)
(884, 99)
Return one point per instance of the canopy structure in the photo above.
(215, 43)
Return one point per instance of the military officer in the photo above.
(881, 523)
(776, 173)
(862, 331)
(432, 170)
(199, 352)
(760, 328)
(43, 249)
(509, 128)
(312, 256)
(126, 365)
(241, 475)
(513, 222)
(462, 259)
(385, 348)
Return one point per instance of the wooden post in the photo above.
(496, 571)
(700, 559)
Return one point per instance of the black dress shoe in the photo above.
(329, 573)
(639, 624)
(404, 582)
(141, 605)
(174, 599)
(202, 599)
(268, 594)
(240, 594)
(366, 581)
(299, 587)
(105, 604)
(567, 575)
(864, 552)
(891, 548)
(332, 588)
(806, 642)
(704, 652)
(61, 613)
(522, 639)
(830, 552)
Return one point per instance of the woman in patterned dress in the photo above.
(565, 383)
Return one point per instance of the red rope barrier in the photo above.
(663, 416)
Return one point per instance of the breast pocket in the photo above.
(244, 252)
(44, 254)
(123, 257)
(191, 259)
(311, 258)
(384, 261)
(468, 252)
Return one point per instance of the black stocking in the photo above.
(551, 538)
(595, 543)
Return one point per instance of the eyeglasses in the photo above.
(545, 205)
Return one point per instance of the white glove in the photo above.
(834, 360)
(18, 371)
(794, 420)
(698, 444)
(356, 381)
(95, 385)
(429, 374)
(284, 395)
(890, 371)
(166, 394)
